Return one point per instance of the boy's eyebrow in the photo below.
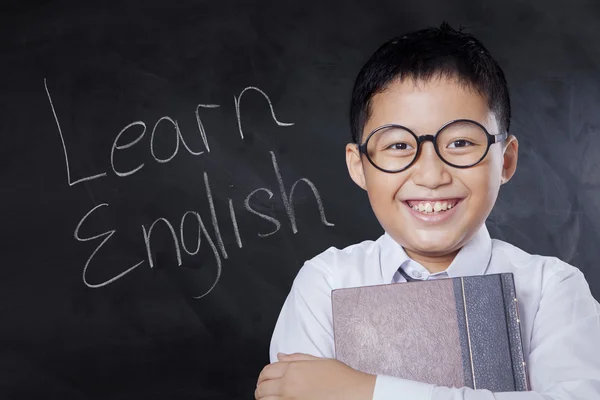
(415, 130)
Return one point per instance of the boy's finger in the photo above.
(271, 371)
(268, 390)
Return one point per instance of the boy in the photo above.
(431, 113)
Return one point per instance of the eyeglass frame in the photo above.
(491, 139)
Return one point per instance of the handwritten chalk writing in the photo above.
(236, 230)
(62, 139)
(238, 100)
(199, 241)
(148, 234)
(212, 247)
(108, 236)
(177, 130)
(263, 216)
(201, 126)
(288, 201)
(213, 216)
(116, 146)
(219, 250)
(178, 241)
(126, 146)
(179, 138)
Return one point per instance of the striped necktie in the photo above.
(405, 275)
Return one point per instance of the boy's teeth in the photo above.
(435, 207)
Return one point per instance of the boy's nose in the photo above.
(429, 170)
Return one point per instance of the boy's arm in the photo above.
(564, 360)
(305, 322)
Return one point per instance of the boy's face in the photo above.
(424, 107)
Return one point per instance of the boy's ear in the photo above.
(355, 166)
(510, 157)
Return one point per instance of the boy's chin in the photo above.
(433, 243)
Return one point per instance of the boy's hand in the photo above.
(304, 377)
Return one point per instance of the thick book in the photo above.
(452, 332)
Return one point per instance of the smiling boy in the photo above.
(430, 120)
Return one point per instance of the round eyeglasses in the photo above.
(461, 143)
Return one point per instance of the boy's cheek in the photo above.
(383, 185)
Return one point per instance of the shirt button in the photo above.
(417, 274)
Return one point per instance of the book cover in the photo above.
(453, 332)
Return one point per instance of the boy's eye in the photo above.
(400, 146)
(460, 143)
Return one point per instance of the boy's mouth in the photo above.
(432, 206)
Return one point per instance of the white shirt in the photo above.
(560, 320)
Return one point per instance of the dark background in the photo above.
(109, 64)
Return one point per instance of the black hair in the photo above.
(425, 54)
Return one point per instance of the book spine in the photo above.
(489, 345)
(463, 333)
(514, 332)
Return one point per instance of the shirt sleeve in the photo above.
(564, 359)
(305, 323)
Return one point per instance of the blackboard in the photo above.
(132, 129)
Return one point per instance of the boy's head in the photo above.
(422, 81)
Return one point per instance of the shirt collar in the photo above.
(392, 256)
(472, 259)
